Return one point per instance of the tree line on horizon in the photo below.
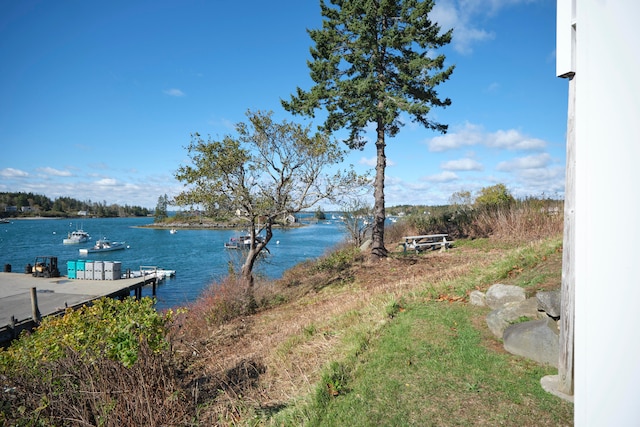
(22, 204)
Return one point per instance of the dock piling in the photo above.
(35, 311)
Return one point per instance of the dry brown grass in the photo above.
(523, 222)
(77, 390)
(287, 345)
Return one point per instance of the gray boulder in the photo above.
(477, 298)
(499, 295)
(550, 303)
(366, 245)
(536, 340)
(498, 320)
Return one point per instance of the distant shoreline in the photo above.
(206, 226)
(28, 218)
(73, 218)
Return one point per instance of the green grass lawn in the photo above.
(429, 367)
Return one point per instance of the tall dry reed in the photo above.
(521, 222)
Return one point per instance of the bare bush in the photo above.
(88, 391)
(525, 220)
(220, 302)
(522, 222)
(394, 233)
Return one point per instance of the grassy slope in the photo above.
(387, 343)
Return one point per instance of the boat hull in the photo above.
(103, 246)
(93, 251)
(74, 241)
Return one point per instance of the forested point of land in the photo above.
(25, 205)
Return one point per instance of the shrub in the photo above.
(105, 364)
(494, 197)
(75, 390)
(338, 260)
(219, 303)
(454, 221)
(109, 327)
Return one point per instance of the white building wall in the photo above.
(607, 249)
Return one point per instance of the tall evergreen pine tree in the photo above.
(373, 60)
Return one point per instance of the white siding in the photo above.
(565, 38)
(607, 292)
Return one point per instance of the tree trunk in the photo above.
(377, 235)
(246, 273)
(247, 268)
(254, 251)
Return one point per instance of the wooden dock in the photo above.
(53, 296)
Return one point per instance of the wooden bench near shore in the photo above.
(427, 241)
(25, 299)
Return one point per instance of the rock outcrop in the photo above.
(527, 326)
(512, 312)
(499, 295)
(537, 340)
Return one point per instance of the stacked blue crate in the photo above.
(71, 269)
(80, 265)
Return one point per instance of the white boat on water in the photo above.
(159, 273)
(173, 231)
(75, 237)
(103, 245)
(242, 242)
(152, 272)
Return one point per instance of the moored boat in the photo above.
(242, 242)
(159, 273)
(75, 237)
(103, 245)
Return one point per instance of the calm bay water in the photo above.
(198, 256)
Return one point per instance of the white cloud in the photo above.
(107, 182)
(470, 135)
(13, 173)
(371, 162)
(368, 161)
(174, 92)
(537, 181)
(450, 14)
(55, 172)
(445, 176)
(489, 7)
(513, 140)
(462, 165)
(462, 16)
(529, 162)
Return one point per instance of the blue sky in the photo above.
(98, 98)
